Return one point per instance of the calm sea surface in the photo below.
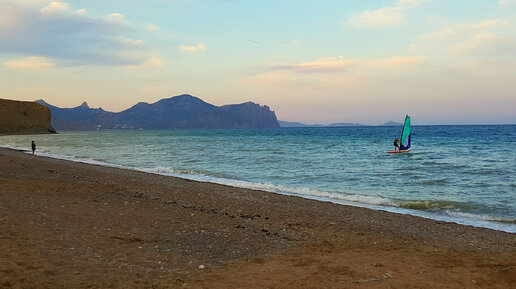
(464, 174)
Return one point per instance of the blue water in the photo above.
(463, 174)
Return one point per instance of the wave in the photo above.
(486, 171)
(273, 188)
(431, 209)
(438, 182)
(23, 149)
(435, 205)
(482, 217)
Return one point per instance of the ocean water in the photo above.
(462, 174)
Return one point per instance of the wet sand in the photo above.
(73, 225)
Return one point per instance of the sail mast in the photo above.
(402, 129)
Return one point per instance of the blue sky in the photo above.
(311, 61)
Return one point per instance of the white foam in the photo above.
(15, 148)
(479, 217)
(303, 192)
(370, 202)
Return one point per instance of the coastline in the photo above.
(63, 223)
(374, 203)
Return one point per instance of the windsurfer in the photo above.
(396, 144)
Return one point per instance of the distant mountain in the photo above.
(392, 123)
(338, 124)
(81, 117)
(251, 115)
(291, 124)
(24, 117)
(345, 124)
(298, 124)
(179, 112)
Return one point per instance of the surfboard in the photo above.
(398, 152)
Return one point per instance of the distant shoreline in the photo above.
(393, 125)
(307, 126)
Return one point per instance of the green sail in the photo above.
(405, 134)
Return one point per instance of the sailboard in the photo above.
(406, 136)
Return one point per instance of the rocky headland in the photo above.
(24, 117)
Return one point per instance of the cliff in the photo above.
(179, 112)
(24, 117)
(251, 115)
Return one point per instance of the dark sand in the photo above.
(72, 225)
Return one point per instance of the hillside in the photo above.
(24, 117)
(179, 112)
(392, 123)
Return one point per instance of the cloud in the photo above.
(463, 28)
(339, 64)
(377, 18)
(33, 62)
(80, 11)
(394, 62)
(323, 65)
(129, 41)
(154, 61)
(487, 23)
(55, 6)
(116, 17)
(477, 42)
(198, 47)
(332, 75)
(487, 43)
(34, 28)
(152, 27)
(385, 16)
(486, 38)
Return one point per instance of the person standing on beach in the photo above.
(33, 147)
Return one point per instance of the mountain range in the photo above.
(179, 112)
(338, 124)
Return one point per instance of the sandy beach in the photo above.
(72, 225)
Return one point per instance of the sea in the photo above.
(463, 174)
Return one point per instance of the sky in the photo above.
(324, 61)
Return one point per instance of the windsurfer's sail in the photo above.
(405, 134)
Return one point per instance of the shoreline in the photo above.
(69, 224)
(491, 222)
